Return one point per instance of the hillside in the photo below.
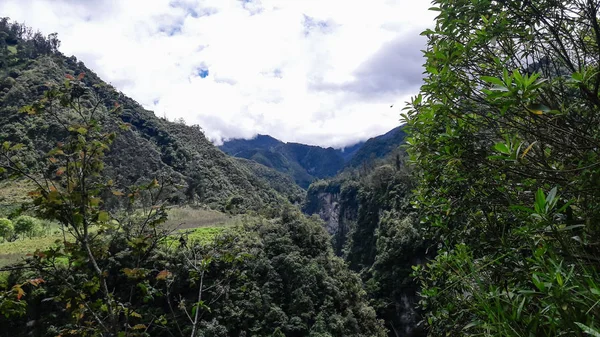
(377, 147)
(152, 147)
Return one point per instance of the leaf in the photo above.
(502, 148)
(586, 329)
(135, 314)
(103, 216)
(493, 80)
(538, 109)
(81, 76)
(20, 292)
(472, 324)
(163, 275)
(117, 193)
(520, 309)
(17, 147)
(36, 282)
(139, 327)
(60, 171)
(551, 195)
(540, 200)
(528, 149)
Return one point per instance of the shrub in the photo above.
(7, 230)
(26, 225)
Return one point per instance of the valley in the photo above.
(475, 215)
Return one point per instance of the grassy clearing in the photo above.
(193, 224)
(13, 252)
(188, 217)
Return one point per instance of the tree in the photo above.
(72, 191)
(505, 138)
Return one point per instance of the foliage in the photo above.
(7, 229)
(280, 182)
(505, 139)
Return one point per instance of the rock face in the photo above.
(330, 211)
(337, 205)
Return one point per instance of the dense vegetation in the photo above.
(374, 229)
(377, 148)
(505, 138)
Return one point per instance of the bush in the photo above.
(7, 230)
(26, 225)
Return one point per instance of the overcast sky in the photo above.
(321, 72)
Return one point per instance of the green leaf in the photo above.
(586, 329)
(520, 308)
(17, 147)
(502, 148)
(103, 216)
(551, 195)
(493, 80)
(540, 201)
(538, 109)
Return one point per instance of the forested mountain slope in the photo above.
(377, 147)
(306, 163)
(151, 148)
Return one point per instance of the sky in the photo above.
(319, 72)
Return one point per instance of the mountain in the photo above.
(307, 163)
(304, 163)
(377, 147)
(152, 147)
(348, 152)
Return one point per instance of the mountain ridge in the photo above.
(307, 163)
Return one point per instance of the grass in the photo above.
(13, 252)
(198, 225)
(194, 224)
(188, 217)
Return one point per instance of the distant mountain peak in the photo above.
(305, 163)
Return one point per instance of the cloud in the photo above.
(313, 71)
(394, 70)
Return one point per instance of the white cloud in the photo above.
(319, 72)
